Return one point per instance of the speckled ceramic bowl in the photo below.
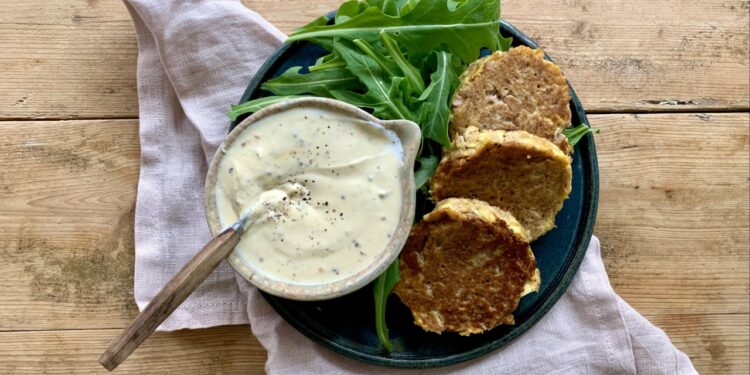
(409, 134)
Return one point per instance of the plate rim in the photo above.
(583, 238)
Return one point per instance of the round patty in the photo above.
(465, 267)
(513, 90)
(516, 171)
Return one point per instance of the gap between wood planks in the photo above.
(665, 110)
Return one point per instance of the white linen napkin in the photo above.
(194, 59)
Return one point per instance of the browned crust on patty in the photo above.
(465, 267)
(513, 170)
(514, 90)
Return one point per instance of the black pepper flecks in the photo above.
(315, 152)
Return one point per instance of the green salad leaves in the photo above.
(381, 289)
(575, 135)
(421, 27)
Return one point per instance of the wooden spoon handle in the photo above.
(170, 297)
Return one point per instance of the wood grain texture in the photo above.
(673, 221)
(645, 55)
(76, 58)
(221, 350)
(673, 212)
(66, 223)
(717, 344)
(673, 216)
(67, 59)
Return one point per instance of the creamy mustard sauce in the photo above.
(325, 190)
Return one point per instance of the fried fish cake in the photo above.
(513, 170)
(465, 267)
(514, 90)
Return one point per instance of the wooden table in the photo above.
(666, 81)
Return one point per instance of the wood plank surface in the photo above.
(76, 58)
(673, 221)
(673, 215)
(221, 350)
(66, 223)
(673, 212)
(717, 344)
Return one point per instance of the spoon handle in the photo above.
(170, 297)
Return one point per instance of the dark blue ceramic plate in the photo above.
(346, 325)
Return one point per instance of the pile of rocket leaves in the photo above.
(399, 59)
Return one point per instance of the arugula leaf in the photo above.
(388, 7)
(436, 111)
(382, 288)
(356, 99)
(349, 9)
(384, 94)
(408, 6)
(429, 25)
(257, 104)
(319, 82)
(575, 135)
(427, 166)
(390, 69)
(320, 21)
(326, 43)
(411, 73)
(331, 60)
(393, 7)
(505, 43)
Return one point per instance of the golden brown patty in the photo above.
(513, 170)
(513, 90)
(465, 267)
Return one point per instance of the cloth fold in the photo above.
(194, 59)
